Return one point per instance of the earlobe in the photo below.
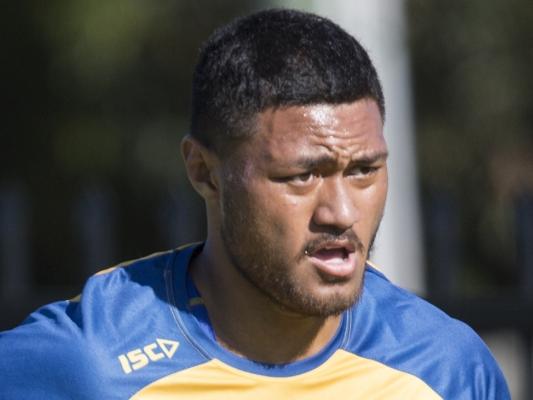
(200, 164)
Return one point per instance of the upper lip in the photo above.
(335, 244)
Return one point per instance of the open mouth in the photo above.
(336, 259)
(333, 255)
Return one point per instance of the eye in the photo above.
(362, 171)
(302, 179)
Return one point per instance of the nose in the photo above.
(336, 206)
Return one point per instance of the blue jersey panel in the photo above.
(139, 329)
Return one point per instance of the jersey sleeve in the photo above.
(478, 375)
(45, 358)
(411, 335)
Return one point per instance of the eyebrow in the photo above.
(371, 158)
(326, 160)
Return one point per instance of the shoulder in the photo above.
(59, 351)
(411, 315)
(411, 335)
(45, 357)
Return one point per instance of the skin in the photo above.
(311, 177)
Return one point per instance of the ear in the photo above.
(201, 165)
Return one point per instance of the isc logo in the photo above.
(139, 358)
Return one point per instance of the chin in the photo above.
(325, 302)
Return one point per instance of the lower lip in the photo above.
(343, 269)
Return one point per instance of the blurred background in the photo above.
(96, 99)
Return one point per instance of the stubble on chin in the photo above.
(265, 269)
(254, 251)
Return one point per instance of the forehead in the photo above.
(342, 131)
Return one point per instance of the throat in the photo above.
(276, 343)
(246, 322)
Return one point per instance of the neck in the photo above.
(249, 323)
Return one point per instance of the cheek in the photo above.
(286, 215)
(371, 203)
(376, 195)
(382, 193)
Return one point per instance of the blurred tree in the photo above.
(98, 96)
(471, 67)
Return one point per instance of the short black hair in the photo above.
(275, 58)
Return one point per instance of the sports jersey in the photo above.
(140, 331)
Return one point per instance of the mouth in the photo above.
(334, 259)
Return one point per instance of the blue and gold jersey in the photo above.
(139, 331)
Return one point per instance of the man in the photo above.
(279, 302)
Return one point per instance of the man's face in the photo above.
(302, 201)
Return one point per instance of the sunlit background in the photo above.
(96, 98)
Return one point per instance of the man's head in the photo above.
(287, 149)
(271, 59)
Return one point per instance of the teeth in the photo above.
(333, 256)
(336, 260)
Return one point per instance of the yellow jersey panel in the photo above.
(343, 376)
